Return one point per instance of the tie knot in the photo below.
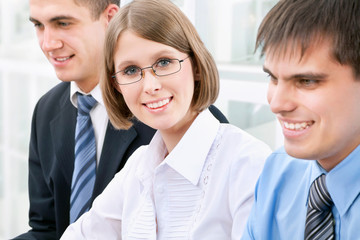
(85, 103)
(319, 198)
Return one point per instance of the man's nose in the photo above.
(280, 97)
(50, 40)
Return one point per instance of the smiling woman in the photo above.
(175, 88)
(166, 78)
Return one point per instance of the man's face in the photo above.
(317, 102)
(70, 38)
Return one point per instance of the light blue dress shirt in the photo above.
(281, 194)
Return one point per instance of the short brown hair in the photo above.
(160, 21)
(293, 23)
(96, 6)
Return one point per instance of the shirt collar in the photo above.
(315, 170)
(343, 181)
(189, 155)
(96, 93)
(153, 157)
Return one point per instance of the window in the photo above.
(229, 32)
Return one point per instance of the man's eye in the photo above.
(308, 82)
(131, 71)
(272, 79)
(38, 25)
(63, 24)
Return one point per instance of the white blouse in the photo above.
(203, 189)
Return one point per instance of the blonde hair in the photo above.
(160, 21)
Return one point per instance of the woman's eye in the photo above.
(131, 70)
(163, 63)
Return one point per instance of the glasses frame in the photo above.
(152, 67)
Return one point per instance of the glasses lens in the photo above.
(129, 75)
(166, 67)
(162, 67)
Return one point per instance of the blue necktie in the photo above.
(319, 219)
(85, 159)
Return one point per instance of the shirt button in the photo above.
(206, 179)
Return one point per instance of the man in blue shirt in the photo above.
(312, 56)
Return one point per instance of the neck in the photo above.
(87, 86)
(172, 137)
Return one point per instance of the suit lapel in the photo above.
(63, 134)
(116, 143)
(62, 129)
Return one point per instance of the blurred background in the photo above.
(228, 29)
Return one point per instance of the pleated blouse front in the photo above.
(203, 189)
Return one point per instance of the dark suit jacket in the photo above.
(51, 160)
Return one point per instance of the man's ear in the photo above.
(110, 11)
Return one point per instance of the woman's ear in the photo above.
(115, 85)
(197, 75)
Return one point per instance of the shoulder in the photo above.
(52, 103)
(242, 144)
(239, 154)
(133, 167)
(131, 164)
(135, 158)
(58, 93)
(282, 172)
(239, 137)
(279, 162)
(281, 186)
(144, 133)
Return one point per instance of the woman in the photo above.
(196, 178)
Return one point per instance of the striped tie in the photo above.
(320, 222)
(85, 159)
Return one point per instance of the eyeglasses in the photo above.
(161, 68)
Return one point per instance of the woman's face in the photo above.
(161, 102)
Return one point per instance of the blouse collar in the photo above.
(189, 155)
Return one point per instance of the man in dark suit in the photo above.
(71, 35)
